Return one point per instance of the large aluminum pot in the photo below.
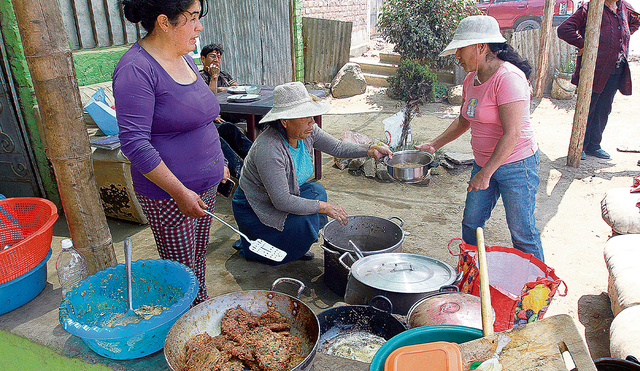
(206, 317)
(402, 278)
(371, 234)
(411, 166)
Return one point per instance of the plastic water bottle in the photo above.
(71, 266)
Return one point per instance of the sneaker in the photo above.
(583, 156)
(599, 153)
(309, 255)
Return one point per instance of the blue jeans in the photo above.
(299, 233)
(517, 183)
(235, 146)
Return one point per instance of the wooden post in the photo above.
(545, 46)
(585, 86)
(50, 62)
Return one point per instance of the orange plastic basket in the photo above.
(26, 230)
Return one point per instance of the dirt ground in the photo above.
(568, 205)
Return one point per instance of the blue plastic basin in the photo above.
(19, 291)
(154, 282)
(424, 334)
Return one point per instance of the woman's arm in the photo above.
(189, 203)
(511, 121)
(569, 30)
(458, 127)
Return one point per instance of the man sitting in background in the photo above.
(235, 145)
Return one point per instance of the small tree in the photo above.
(421, 29)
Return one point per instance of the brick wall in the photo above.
(341, 10)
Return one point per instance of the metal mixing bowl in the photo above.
(409, 174)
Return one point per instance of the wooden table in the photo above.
(534, 346)
(260, 107)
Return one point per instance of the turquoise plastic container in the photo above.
(87, 306)
(424, 334)
(19, 291)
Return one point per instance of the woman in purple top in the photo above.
(165, 114)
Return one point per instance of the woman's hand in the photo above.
(379, 151)
(479, 182)
(226, 175)
(190, 204)
(426, 147)
(334, 211)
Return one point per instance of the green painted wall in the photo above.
(26, 97)
(97, 65)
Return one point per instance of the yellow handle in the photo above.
(485, 298)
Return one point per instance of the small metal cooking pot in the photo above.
(412, 174)
(447, 308)
(206, 317)
(402, 278)
(371, 234)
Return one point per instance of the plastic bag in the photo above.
(393, 129)
(352, 137)
(521, 286)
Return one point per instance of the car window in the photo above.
(507, 1)
(483, 1)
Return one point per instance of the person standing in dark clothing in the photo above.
(235, 145)
(612, 69)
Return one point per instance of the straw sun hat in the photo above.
(476, 29)
(293, 101)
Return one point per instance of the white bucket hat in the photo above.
(293, 101)
(476, 29)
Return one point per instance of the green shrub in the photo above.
(421, 29)
(412, 81)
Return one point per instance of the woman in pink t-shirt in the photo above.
(496, 109)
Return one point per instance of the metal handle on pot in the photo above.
(289, 280)
(323, 247)
(402, 266)
(340, 259)
(449, 288)
(383, 298)
(358, 252)
(397, 217)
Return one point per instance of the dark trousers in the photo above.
(599, 110)
(235, 146)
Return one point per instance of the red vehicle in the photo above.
(521, 15)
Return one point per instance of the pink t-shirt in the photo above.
(508, 84)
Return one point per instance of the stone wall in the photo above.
(355, 11)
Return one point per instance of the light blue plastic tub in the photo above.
(423, 334)
(155, 282)
(19, 291)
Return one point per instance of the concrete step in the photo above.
(390, 58)
(376, 80)
(369, 66)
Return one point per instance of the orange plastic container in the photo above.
(436, 356)
(26, 231)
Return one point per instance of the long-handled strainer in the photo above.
(259, 247)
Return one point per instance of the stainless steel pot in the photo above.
(402, 278)
(371, 234)
(413, 174)
(447, 308)
(206, 317)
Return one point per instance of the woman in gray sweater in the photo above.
(274, 202)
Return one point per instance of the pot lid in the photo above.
(454, 308)
(403, 273)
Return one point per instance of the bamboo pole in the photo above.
(545, 46)
(48, 56)
(585, 86)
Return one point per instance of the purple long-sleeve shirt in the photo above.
(615, 33)
(162, 120)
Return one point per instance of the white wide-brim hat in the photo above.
(293, 101)
(476, 29)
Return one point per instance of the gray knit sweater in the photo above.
(269, 180)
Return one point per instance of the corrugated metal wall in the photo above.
(256, 36)
(527, 43)
(326, 47)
